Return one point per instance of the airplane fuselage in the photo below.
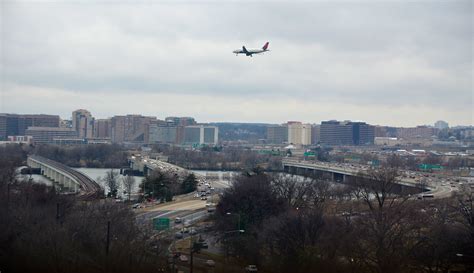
(250, 52)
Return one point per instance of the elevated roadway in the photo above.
(66, 178)
(341, 172)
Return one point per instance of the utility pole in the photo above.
(57, 212)
(108, 239)
(191, 261)
(8, 196)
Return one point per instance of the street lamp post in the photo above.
(238, 223)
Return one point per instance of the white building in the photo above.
(298, 133)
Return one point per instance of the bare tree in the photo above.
(128, 182)
(111, 181)
(383, 233)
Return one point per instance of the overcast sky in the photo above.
(384, 62)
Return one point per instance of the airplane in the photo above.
(249, 52)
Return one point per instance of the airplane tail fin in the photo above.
(265, 46)
(244, 49)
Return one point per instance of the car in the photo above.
(177, 220)
(204, 245)
(251, 268)
(136, 206)
(178, 235)
(185, 230)
(210, 263)
(204, 198)
(192, 231)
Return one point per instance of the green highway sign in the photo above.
(161, 223)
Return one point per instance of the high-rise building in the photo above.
(8, 126)
(346, 133)
(277, 134)
(102, 128)
(130, 128)
(441, 124)
(201, 134)
(315, 133)
(42, 135)
(362, 133)
(16, 125)
(163, 134)
(306, 134)
(83, 123)
(299, 133)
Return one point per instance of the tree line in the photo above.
(219, 158)
(288, 224)
(90, 156)
(42, 231)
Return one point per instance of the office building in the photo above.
(102, 128)
(277, 134)
(417, 132)
(163, 134)
(298, 133)
(201, 134)
(48, 135)
(346, 133)
(130, 128)
(315, 134)
(8, 126)
(83, 123)
(16, 125)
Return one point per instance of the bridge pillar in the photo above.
(74, 186)
(47, 172)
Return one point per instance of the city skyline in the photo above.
(391, 63)
(163, 118)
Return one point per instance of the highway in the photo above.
(440, 186)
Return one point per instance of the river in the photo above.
(219, 179)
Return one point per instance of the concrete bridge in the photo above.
(66, 178)
(146, 165)
(338, 172)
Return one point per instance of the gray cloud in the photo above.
(336, 60)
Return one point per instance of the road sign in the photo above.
(161, 223)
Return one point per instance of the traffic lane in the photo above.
(182, 205)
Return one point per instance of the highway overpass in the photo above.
(343, 172)
(65, 178)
